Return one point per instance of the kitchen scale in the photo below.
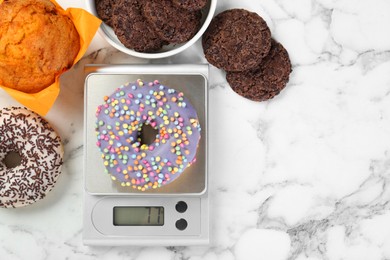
(175, 214)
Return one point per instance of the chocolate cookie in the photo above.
(191, 5)
(172, 24)
(104, 9)
(132, 29)
(267, 80)
(236, 40)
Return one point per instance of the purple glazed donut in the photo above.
(119, 125)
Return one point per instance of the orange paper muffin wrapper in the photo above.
(86, 25)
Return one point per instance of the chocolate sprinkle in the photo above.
(26, 133)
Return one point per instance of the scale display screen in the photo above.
(138, 216)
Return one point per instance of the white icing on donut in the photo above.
(26, 133)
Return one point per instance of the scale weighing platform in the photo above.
(175, 214)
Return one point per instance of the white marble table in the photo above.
(303, 176)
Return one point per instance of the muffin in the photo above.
(37, 44)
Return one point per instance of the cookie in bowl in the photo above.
(132, 29)
(191, 5)
(171, 23)
(105, 9)
(160, 29)
(37, 44)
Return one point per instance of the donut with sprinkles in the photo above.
(39, 147)
(119, 124)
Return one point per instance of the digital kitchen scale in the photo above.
(175, 214)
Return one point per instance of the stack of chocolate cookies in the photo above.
(239, 42)
(147, 25)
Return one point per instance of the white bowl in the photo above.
(167, 50)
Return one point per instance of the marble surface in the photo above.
(303, 176)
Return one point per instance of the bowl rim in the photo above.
(209, 17)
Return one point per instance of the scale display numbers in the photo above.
(138, 216)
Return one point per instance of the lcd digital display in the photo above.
(138, 216)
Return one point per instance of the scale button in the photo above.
(181, 207)
(181, 224)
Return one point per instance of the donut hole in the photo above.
(148, 134)
(12, 160)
